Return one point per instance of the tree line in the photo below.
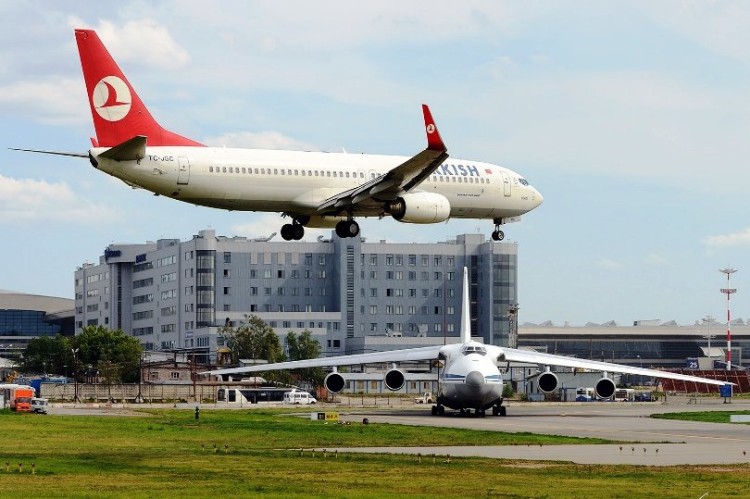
(116, 356)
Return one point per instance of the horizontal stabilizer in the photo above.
(130, 150)
(56, 153)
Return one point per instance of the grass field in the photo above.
(169, 454)
(705, 417)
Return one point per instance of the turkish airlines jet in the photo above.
(313, 189)
(469, 378)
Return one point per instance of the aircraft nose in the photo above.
(475, 378)
(537, 198)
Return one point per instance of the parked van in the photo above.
(299, 397)
(39, 405)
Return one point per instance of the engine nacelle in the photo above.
(547, 382)
(334, 382)
(605, 388)
(394, 380)
(419, 208)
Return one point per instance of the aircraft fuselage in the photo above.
(298, 182)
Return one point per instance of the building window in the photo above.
(227, 257)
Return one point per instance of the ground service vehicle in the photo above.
(624, 395)
(39, 405)
(18, 397)
(298, 397)
(425, 398)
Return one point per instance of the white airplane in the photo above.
(313, 189)
(469, 378)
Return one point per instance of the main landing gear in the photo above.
(293, 231)
(347, 228)
(296, 230)
(497, 410)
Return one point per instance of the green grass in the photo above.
(168, 454)
(704, 417)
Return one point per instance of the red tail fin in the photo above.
(118, 112)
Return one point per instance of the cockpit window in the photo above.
(478, 349)
(523, 181)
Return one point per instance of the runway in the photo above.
(655, 442)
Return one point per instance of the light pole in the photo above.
(75, 374)
(729, 291)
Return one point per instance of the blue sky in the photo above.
(631, 118)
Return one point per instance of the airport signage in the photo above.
(324, 416)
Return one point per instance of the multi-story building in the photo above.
(175, 294)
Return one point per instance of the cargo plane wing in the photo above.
(470, 378)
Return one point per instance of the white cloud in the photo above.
(741, 238)
(29, 200)
(142, 41)
(260, 140)
(607, 264)
(59, 101)
(656, 260)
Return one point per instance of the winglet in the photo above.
(434, 142)
(465, 310)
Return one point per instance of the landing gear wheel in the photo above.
(440, 410)
(291, 232)
(298, 232)
(498, 235)
(287, 232)
(503, 412)
(495, 410)
(347, 228)
(434, 410)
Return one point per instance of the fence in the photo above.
(149, 392)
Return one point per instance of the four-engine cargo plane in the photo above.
(312, 189)
(469, 379)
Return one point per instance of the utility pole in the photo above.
(729, 291)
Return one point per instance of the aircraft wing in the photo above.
(404, 355)
(531, 357)
(400, 179)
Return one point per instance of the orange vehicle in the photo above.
(18, 397)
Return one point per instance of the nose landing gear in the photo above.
(497, 234)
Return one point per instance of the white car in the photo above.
(39, 405)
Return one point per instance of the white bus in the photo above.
(624, 395)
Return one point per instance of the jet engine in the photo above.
(334, 382)
(547, 382)
(419, 208)
(605, 388)
(394, 380)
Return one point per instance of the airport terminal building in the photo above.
(646, 343)
(350, 293)
(24, 317)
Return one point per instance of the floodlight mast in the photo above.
(729, 291)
